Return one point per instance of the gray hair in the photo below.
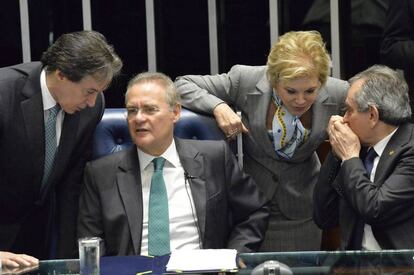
(81, 54)
(171, 95)
(386, 89)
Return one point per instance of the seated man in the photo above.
(369, 192)
(167, 193)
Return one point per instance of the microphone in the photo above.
(187, 180)
(271, 268)
(188, 176)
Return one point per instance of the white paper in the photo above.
(202, 259)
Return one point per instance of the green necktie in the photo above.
(158, 219)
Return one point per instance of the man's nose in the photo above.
(300, 98)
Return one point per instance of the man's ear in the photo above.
(177, 112)
(373, 116)
(59, 75)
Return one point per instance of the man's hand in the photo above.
(17, 260)
(344, 142)
(228, 121)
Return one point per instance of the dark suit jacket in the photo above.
(26, 211)
(397, 48)
(344, 195)
(231, 211)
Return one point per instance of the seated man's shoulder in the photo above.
(407, 129)
(205, 146)
(110, 161)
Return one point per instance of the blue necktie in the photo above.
(50, 142)
(369, 160)
(158, 218)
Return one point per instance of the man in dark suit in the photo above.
(48, 112)
(369, 192)
(211, 203)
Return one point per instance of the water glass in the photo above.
(89, 254)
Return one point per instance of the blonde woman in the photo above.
(285, 106)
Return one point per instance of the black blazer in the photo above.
(344, 195)
(26, 211)
(230, 209)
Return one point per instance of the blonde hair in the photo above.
(298, 54)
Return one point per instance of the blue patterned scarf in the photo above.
(287, 130)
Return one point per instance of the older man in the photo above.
(167, 193)
(369, 190)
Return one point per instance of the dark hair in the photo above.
(80, 54)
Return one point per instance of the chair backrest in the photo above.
(112, 135)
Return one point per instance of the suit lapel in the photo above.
(129, 185)
(391, 151)
(257, 106)
(67, 141)
(32, 110)
(193, 164)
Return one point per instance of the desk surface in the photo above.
(316, 262)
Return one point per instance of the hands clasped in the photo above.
(344, 142)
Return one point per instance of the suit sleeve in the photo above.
(248, 207)
(397, 48)
(204, 93)
(70, 189)
(325, 196)
(386, 202)
(89, 219)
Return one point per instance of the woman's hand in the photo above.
(228, 121)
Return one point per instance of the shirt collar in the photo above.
(47, 98)
(380, 146)
(170, 155)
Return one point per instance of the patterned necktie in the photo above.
(158, 219)
(50, 142)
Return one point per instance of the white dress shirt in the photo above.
(368, 240)
(49, 102)
(183, 218)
